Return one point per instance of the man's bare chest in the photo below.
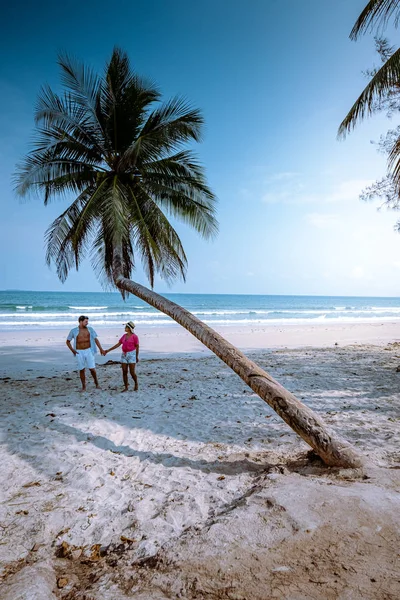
(83, 338)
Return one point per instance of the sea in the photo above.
(60, 310)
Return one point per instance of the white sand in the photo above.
(44, 351)
(193, 487)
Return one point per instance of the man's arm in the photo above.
(97, 341)
(74, 352)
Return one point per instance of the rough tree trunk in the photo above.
(333, 450)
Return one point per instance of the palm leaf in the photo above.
(68, 116)
(385, 79)
(376, 14)
(156, 239)
(59, 236)
(394, 166)
(166, 129)
(84, 89)
(125, 98)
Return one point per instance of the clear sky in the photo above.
(274, 79)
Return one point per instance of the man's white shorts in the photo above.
(85, 358)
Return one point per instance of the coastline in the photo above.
(32, 351)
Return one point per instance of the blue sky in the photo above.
(274, 78)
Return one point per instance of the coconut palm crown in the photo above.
(110, 142)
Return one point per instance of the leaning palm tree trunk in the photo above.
(123, 161)
(333, 450)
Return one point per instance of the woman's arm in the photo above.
(137, 353)
(113, 348)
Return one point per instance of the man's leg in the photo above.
(125, 376)
(81, 368)
(133, 375)
(90, 362)
(83, 379)
(94, 375)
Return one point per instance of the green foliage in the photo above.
(111, 142)
(381, 94)
(384, 80)
(376, 14)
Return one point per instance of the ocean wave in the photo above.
(17, 307)
(74, 316)
(315, 321)
(86, 308)
(320, 320)
(208, 316)
(68, 325)
(62, 312)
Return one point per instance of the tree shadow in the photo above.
(213, 406)
(234, 467)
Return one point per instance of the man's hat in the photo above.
(131, 325)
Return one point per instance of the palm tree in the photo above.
(121, 157)
(377, 13)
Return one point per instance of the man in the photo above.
(85, 342)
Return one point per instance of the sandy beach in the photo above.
(44, 350)
(193, 487)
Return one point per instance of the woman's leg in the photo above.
(125, 376)
(133, 375)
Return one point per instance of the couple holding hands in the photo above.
(85, 342)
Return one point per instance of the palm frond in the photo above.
(157, 241)
(65, 114)
(177, 118)
(196, 212)
(166, 129)
(125, 98)
(84, 88)
(394, 165)
(179, 168)
(40, 176)
(383, 81)
(178, 185)
(376, 14)
(59, 236)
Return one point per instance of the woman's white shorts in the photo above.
(128, 358)
(85, 358)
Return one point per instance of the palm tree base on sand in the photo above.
(331, 448)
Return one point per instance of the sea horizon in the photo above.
(195, 293)
(31, 310)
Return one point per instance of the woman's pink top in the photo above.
(129, 344)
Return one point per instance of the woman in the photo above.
(130, 354)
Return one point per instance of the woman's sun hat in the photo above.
(131, 325)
